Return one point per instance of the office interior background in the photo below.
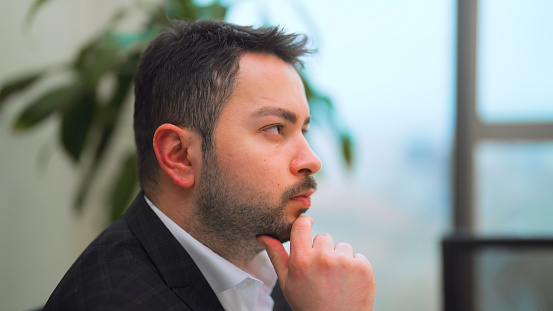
(390, 68)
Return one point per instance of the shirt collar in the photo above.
(219, 272)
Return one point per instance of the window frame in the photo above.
(470, 129)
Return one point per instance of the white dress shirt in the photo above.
(235, 288)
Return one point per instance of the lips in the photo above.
(304, 198)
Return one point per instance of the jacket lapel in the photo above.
(176, 267)
(281, 304)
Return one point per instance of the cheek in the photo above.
(271, 173)
(254, 160)
(264, 171)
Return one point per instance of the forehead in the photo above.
(266, 81)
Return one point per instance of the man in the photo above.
(225, 172)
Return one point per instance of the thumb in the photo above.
(278, 255)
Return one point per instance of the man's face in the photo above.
(258, 178)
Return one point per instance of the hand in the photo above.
(319, 276)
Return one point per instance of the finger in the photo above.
(323, 241)
(344, 249)
(278, 255)
(364, 261)
(300, 237)
(362, 258)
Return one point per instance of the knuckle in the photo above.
(299, 263)
(361, 258)
(343, 245)
(343, 262)
(326, 261)
(367, 271)
(323, 235)
(363, 263)
(304, 221)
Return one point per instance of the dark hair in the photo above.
(188, 73)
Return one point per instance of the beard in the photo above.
(232, 212)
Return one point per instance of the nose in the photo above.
(305, 161)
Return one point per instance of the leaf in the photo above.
(182, 9)
(97, 57)
(124, 80)
(18, 85)
(127, 40)
(214, 11)
(85, 53)
(101, 60)
(84, 187)
(117, 17)
(87, 180)
(32, 12)
(75, 126)
(312, 96)
(114, 108)
(347, 149)
(43, 107)
(123, 188)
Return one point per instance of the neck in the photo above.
(211, 228)
(226, 244)
(229, 243)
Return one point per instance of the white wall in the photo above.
(40, 233)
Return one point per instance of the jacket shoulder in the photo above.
(113, 273)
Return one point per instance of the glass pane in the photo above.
(389, 74)
(515, 60)
(515, 280)
(515, 182)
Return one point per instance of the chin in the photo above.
(283, 235)
(279, 229)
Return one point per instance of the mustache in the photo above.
(308, 183)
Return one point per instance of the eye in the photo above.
(276, 129)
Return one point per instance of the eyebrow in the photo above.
(280, 112)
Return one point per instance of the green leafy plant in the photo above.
(88, 121)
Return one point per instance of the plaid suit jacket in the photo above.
(137, 264)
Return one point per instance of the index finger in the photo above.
(300, 237)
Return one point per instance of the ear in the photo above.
(178, 151)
